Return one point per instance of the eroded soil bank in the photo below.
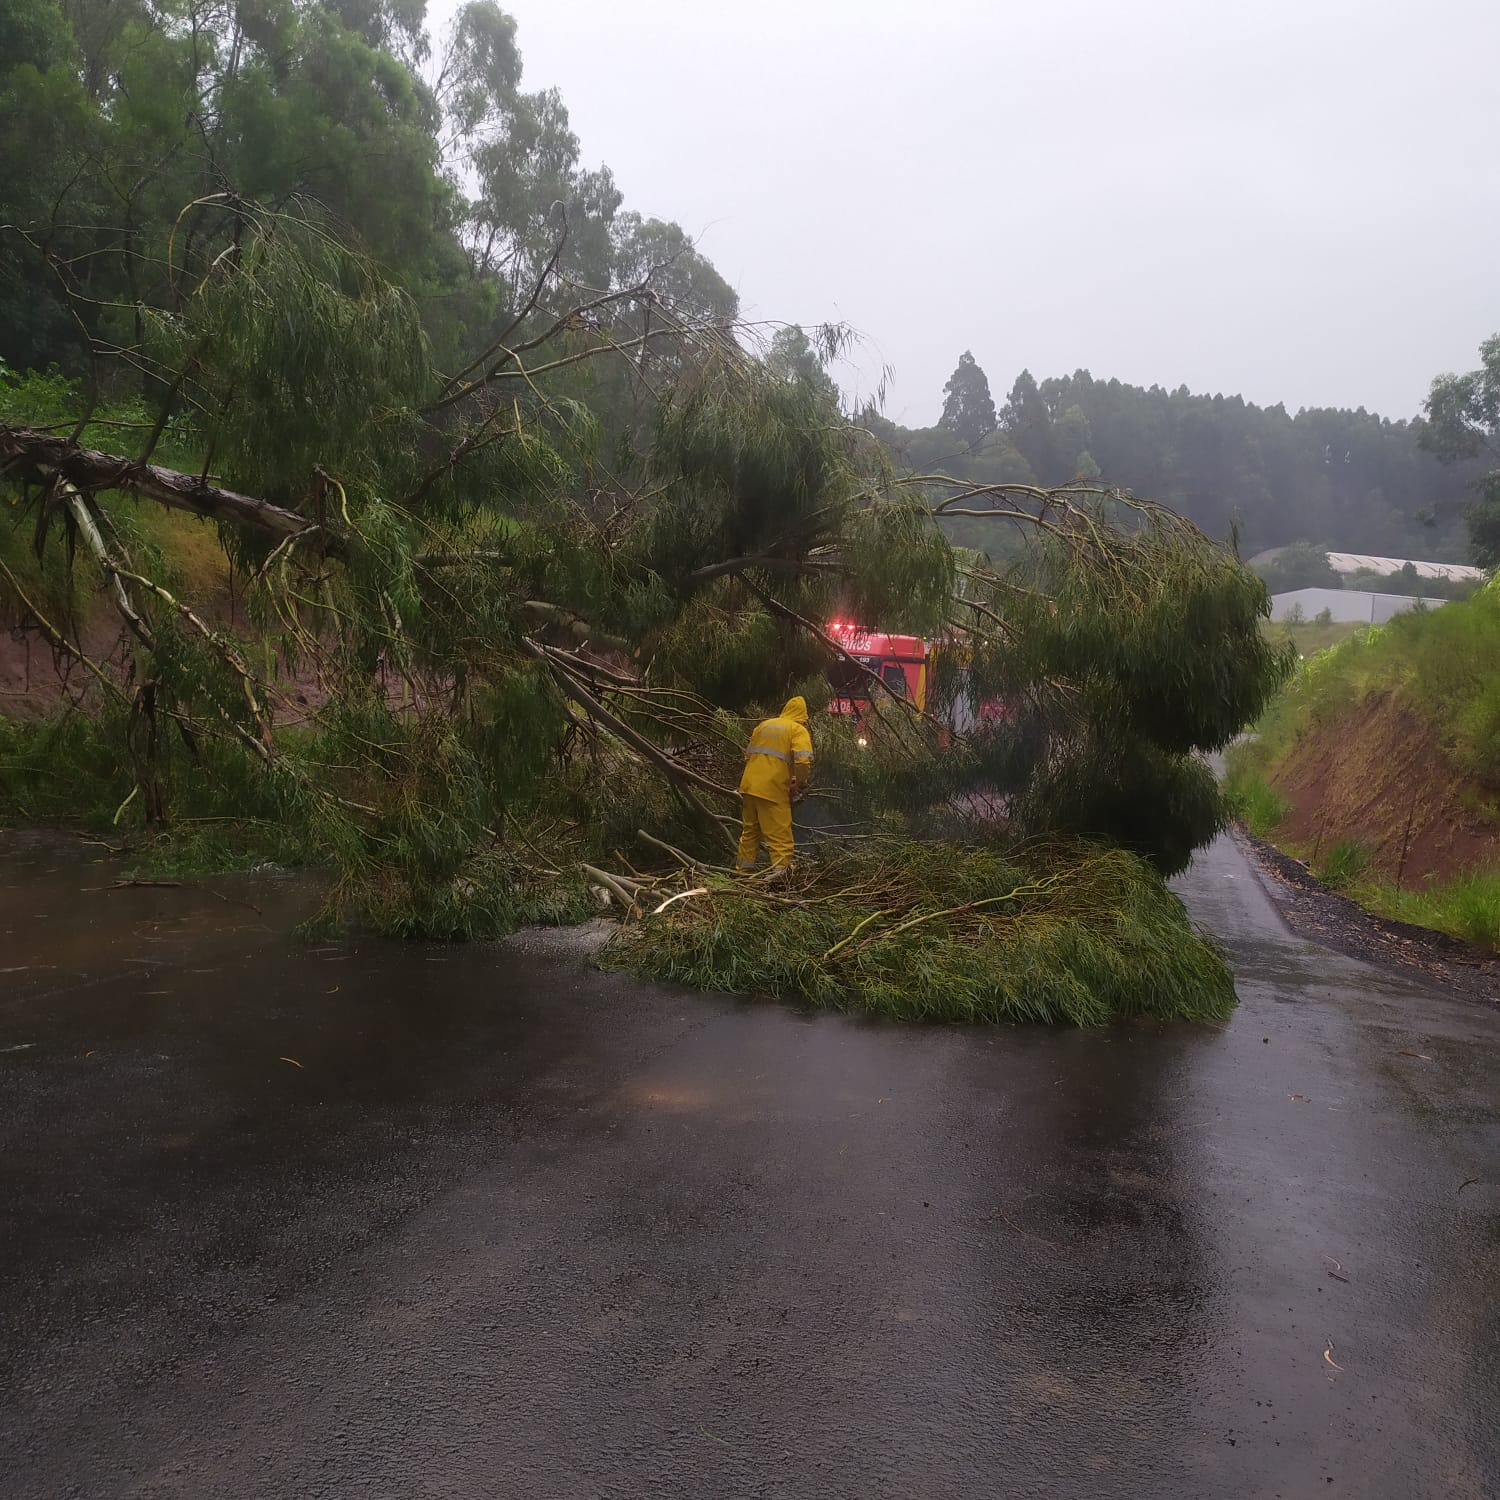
(1378, 774)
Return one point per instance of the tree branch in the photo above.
(632, 737)
(45, 456)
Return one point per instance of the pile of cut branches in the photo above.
(1053, 932)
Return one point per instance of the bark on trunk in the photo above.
(43, 455)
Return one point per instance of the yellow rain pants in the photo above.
(761, 818)
(777, 760)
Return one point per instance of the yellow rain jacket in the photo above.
(779, 755)
(778, 748)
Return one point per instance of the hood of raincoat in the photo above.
(796, 710)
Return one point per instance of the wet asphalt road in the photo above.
(504, 1226)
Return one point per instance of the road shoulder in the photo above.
(1321, 915)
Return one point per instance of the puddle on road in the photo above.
(66, 916)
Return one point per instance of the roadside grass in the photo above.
(1310, 636)
(1443, 664)
(1467, 907)
(1344, 864)
(1251, 798)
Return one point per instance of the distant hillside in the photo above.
(1347, 480)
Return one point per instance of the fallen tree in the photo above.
(49, 459)
(930, 931)
(534, 626)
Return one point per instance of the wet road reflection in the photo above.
(285, 1220)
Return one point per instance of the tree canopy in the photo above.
(521, 523)
(1463, 427)
(131, 132)
(968, 407)
(1344, 480)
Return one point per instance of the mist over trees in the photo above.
(1344, 480)
(1463, 428)
(132, 128)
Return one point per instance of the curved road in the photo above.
(419, 1222)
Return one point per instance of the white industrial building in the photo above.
(1344, 606)
(1364, 562)
(1359, 562)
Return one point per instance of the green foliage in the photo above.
(1344, 864)
(1250, 797)
(903, 569)
(968, 407)
(1463, 411)
(59, 585)
(136, 135)
(734, 657)
(46, 129)
(1162, 631)
(79, 769)
(763, 448)
(1355, 478)
(1467, 907)
(1315, 635)
(1463, 424)
(1441, 663)
(1126, 654)
(1160, 804)
(1407, 580)
(539, 578)
(1300, 565)
(922, 931)
(304, 341)
(791, 356)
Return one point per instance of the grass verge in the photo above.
(915, 931)
(1251, 798)
(1439, 663)
(1468, 907)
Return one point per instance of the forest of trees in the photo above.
(1343, 480)
(130, 129)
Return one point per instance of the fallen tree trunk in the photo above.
(43, 456)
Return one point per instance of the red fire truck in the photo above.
(900, 661)
(904, 665)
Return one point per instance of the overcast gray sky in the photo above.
(1297, 200)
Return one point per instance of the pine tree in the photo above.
(968, 407)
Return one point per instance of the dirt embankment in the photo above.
(1379, 774)
(37, 680)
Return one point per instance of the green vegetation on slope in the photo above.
(1441, 666)
(1443, 663)
(186, 551)
(1468, 906)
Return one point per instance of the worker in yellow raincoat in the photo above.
(778, 762)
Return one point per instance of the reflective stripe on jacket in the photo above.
(776, 747)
